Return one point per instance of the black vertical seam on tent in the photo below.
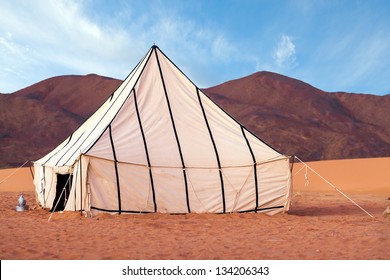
(116, 171)
(62, 148)
(236, 121)
(70, 138)
(67, 149)
(150, 53)
(105, 113)
(146, 150)
(254, 168)
(175, 132)
(215, 150)
(136, 82)
(134, 70)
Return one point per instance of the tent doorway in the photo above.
(63, 187)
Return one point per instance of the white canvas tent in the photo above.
(159, 144)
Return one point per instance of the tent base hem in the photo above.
(259, 210)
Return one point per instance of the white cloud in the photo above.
(175, 34)
(17, 63)
(365, 63)
(350, 61)
(45, 38)
(284, 53)
(195, 47)
(48, 38)
(222, 48)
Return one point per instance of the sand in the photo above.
(321, 224)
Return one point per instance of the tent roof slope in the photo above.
(159, 118)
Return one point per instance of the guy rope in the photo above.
(330, 184)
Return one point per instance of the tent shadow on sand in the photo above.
(336, 210)
(332, 204)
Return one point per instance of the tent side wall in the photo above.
(94, 184)
(275, 186)
(45, 183)
(135, 194)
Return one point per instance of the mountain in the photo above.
(288, 114)
(36, 119)
(301, 120)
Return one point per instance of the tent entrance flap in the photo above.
(63, 187)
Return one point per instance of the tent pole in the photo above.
(54, 209)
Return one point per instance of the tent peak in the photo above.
(154, 46)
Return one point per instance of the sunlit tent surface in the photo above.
(159, 144)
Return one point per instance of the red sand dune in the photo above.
(321, 224)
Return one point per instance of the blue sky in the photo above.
(332, 45)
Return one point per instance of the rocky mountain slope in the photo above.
(288, 114)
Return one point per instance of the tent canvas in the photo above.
(159, 144)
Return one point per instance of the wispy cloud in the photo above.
(177, 33)
(62, 37)
(354, 61)
(55, 37)
(344, 48)
(366, 63)
(284, 53)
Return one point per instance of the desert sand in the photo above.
(321, 224)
